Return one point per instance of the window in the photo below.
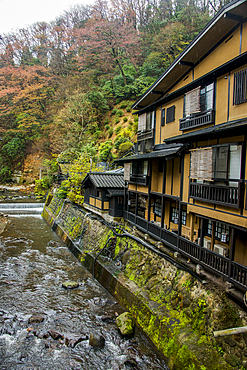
(184, 214)
(221, 232)
(157, 208)
(146, 121)
(139, 168)
(99, 194)
(199, 100)
(163, 112)
(240, 87)
(174, 215)
(216, 163)
(170, 114)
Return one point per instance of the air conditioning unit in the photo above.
(223, 251)
(207, 243)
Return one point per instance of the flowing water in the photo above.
(34, 264)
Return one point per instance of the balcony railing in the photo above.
(139, 179)
(145, 135)
(199, 119)
(234, 272)
(219, 194)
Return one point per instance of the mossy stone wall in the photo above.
(175, 311)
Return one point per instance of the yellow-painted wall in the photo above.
(221, 99)
(157, 178)
(168, 177)
(185, 81)
(222, 54)
(106, 205)
(142, 189)
(244, 38)
(186, 177)
(176, 178)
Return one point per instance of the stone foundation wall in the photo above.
(176, 311)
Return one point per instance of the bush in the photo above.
(125, 119)
(110, 132)
(114, 111)
(117, 130)
(117, 120)
(124, 147)
(119, 140)
(105, 151)
(107, 126)
(123, 104)
(128, 109)
(120, 113)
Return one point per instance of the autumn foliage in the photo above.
(59, 81)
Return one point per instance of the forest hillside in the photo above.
(66, 87)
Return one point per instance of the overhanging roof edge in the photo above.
(210, 24)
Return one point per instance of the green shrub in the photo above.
(124, 147)
(117, 130)
(125, 119)
(123, 105)
(120, 113)
(128, 109)
(119, 140)
(107, 126)
(106, 121)
(117, 120)
(131, 122)
(114, 111)
(135, 117)
(110, 132)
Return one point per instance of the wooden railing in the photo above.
(212, 261)
(199, 119)
(213, 193)
(139, 179)
(145, 135)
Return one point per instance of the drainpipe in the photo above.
(232, 331)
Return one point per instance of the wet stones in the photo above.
(35, 319)
(96, 340)
(70, 284)
(125, 324)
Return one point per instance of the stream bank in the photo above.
(175, 310)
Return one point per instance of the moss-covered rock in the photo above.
(125, 323)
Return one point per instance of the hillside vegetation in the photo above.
(66, 87)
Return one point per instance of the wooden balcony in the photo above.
(218, 194)
(210, 260)
(145, 135)
(199, 119)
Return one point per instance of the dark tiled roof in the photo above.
(170, 151)
(105, 180)
(115, 193)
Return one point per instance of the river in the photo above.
(34, 264)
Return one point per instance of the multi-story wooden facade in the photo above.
(187, 183)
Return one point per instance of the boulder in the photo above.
(70, 284)
(35, 319)
(96, 340)
(125, 323)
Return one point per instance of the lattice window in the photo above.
(240, 87)
(201, 164)
(170, 114)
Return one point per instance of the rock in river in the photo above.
(70, 284)
(125, 323)
(35, 319)
(96, 340)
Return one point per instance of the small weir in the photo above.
(44, 326)
(21, 208)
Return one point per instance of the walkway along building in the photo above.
(187, 184)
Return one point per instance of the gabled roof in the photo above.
(104, 180)
(220, 26)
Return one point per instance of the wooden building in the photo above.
(104, 194)
(187, 183)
